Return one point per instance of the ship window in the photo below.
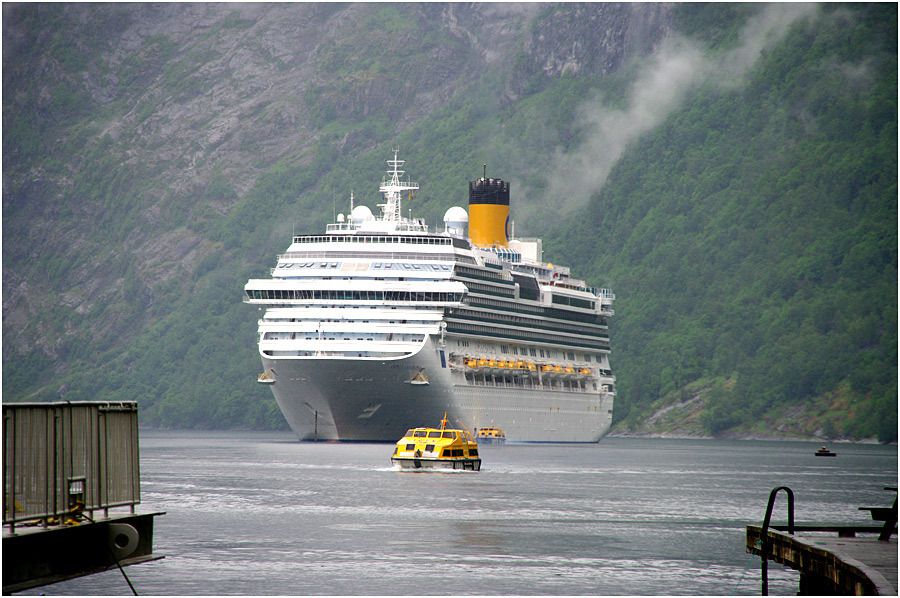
(419, 434)
(448, 435)
(434, 434)
(410, 447)
(473, 452)
(429, 447)
(409, 432)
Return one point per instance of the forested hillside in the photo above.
(730, 170)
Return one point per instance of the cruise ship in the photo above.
(380, 324)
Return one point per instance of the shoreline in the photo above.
(689, 436)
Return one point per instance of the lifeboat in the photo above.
(482, 362)
(420, 379)
(520, 365)
(471, 362)
(491, 363)
(267, 377)
(491, 436)
(531, 366)
(547, 368)
(557, 369)
(437, 448)
(502, 364)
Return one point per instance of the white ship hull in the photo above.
(377, 400)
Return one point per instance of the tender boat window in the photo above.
(434, 434)
(448, 435)
(410, 447)
(419, 434)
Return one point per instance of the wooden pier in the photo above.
(861, 560)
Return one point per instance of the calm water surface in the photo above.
(255, 513)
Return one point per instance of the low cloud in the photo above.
(679, 66)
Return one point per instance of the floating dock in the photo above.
(860, 561)
(67, 468)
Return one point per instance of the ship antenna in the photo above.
(484, 172)
(351, 200)
(392, 190)
(444, 421)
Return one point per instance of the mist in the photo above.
(679, 66)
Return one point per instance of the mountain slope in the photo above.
(752, 240)
(155, 157)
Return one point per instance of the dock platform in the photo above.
(860, 561)
(858, 566)
(70, 470)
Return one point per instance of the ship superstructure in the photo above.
(381, 323)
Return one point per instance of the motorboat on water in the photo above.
(491, 436)
(437, 448)
(824, 452)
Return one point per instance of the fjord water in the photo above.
(253, 513)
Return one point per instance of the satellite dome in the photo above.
(340, 217)
(455, 221)
(361, 214)
(456, 214)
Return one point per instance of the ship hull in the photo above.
(378, 400)
(420, 464)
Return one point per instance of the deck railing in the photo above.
(60, 458)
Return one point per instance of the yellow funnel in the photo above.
(489, 212)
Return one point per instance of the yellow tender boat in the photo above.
(437, 448)
(491, 436)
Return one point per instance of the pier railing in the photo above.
(64, 458)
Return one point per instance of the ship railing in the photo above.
(405, 226)
(64, 458)
(524, 382)
(332, 255)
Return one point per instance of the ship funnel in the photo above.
(489, 212)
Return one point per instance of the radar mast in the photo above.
(392, 190)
